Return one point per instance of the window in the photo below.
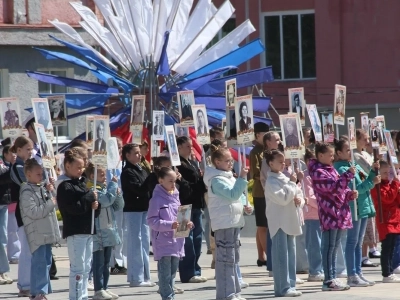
(4, 87)
(290, 44)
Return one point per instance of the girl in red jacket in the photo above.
(390, 228)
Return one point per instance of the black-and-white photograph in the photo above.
(380, 127)
(172, 146)
(183, 218)
(201, 124)
(365, 122)
(58, 110)
(296, 102)
(100, 144)
(291, 133)
(10, 120)
(11, 116)
(185, 102)
(244, 119)
(138, 107)
(112, 153)
(327, 125)
(181, 131)
(230, 92)
(340, 105)
(315, 121)
(351, 131)
(42, 113)
(158, 125)
(46, 149)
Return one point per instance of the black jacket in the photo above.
(5, 189)
(134, 188)
(74, 201)
(183, 187)
(191, 174)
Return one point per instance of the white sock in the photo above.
(364, 258)
(372, 250)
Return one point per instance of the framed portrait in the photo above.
(185, 102)
(380, 127)
(340, 104)
(42, 115)
(181, 131)
(351, 131)
(10, 117)
(172, 146)
(291, 135)
(137, 117)
(158, 125)
(297, 104)
(390, 146)
(155, 149)
(364, 117)
(89, 130)
(46, 147)
(183, 218)
(58, 110)
(327, 126)
(315, 121)
(112, 153)
(244, 119)
(230, 92)
(201, 124)
(101, 137)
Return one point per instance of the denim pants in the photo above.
(388, 245)
(313, 244)
(101, 271)
(226, 262)
(329, 246)
(301, 252)
(24, 264)
(353, 254)
(341, 261)
(138, 242)
(13, 245)
(40, 267)
(396, 253)
(189, 265)
(207, 229)
(269, 250)
(4, 266)
(80, 247)
(283, 262)
(167, 267)
(118, 255)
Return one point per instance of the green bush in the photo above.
(59, 218)
(250, 191)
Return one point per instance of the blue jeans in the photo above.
(24, 264)
(301, 252)
(101, 265)
(138, 242)
(80, 247)
(14, 245)
(207, 229)
(313, 244)
(189, 265)
(167, 267)
(329, 245)
(283, 262)
(269, 250)
(341, 262)
(396, 253)
(4, 266)
(226, 262)
(118, 255)
(40, 267)
(353, 255)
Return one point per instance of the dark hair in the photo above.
(182, 140)
(383, 163)
(270, 155)
(30, 164)
(359, 133)
(144, 144)
(340, 143)
(89, 170)
(311, 139)
(6, 141)
(78, 143)
(6, 149)
(398, 140)
(240, 108)
(127, 149)
(164, 171)
(214, 131)
(20, 142)
(158, 162)
(322, 148)
(217, 142)
(217, 153)
(309, 154)
(72, 154)
(267, 137)
(30, 124)
(393, 133)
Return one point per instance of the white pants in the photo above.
(118, 255)
(24, 264)
(13, 245)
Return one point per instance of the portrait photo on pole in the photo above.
(58, 110)
(390, 146)
(10, 117)
(380, 127)
(296, 103)
(364, 116)
(42, 115)
(340, 105)
(185, 102)
(158, 125)
(181, 131)
(327, 126)
(351, 132)
(201, 124)
(137, 118)
(46, 149)
(89, 131)
(172, 146)
(112, 153)
(291, 135)
(101, 137)
(315, 121)
(183, 218)
(230, 92)
(244, 119)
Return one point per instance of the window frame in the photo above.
(262, 32)
(4, 83)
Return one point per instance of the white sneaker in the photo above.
(5, 277)
(203, 278)
(371, 283)
(292, 293)
(196, 279)
(244, 285)
(299, 281)
(391, 279)
(114, 296)
(314, 278)
(341, 275)
(270, 274)
(355, 281)
(142, 284)
(239, 298)
(102, 295)
(90, 286)
(2, 281)
(397, 270)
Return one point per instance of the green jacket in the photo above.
(365, 204)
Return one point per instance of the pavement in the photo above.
(261, 286)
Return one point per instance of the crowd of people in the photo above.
(314, 215)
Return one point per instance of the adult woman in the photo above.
(245, 121)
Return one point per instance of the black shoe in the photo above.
(366, 263)
(151, 253)
(117, 270)
(54, 277)
(261, 263)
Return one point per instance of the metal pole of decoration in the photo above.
(94, 186)
(245, 166)
(378, 186)
(57, 139)
(354, 187)
(337, 131)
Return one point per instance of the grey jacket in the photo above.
(38, 216)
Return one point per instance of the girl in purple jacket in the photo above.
(162, 219)
(333, 195)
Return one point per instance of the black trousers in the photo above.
(387, 254)
(53, 268)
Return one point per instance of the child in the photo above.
(333, 195)
(41, 227)
(161, 217)
(106, 237)
(75, 202)
(225, 203)
(312, 228)
(283, 197)
(390, 228)
(364, 182)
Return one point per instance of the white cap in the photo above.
(30, 117)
